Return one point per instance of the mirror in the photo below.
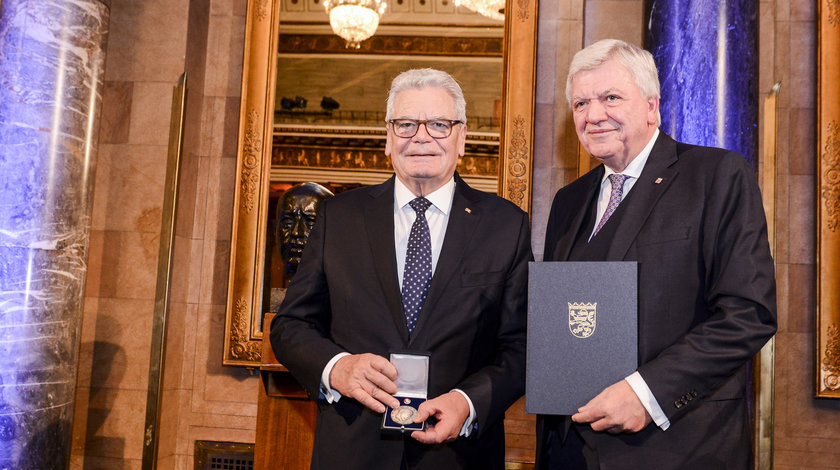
(289, 143)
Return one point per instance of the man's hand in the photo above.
(450, 410)
(617, 409)
(368, 378)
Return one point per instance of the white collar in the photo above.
(635, 167)
(440, 198)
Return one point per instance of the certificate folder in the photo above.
(582, 332)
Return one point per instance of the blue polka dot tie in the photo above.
(617, 182)
(418, 264)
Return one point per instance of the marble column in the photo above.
(51, 69)
(707, 54)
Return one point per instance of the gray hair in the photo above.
(427, 78)
(637, 61)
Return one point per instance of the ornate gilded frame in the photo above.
(828, 199)
(253, 160)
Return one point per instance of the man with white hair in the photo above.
(693, 219)
(420, 264)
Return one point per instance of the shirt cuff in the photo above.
(469, 425)
(327, 392)
(640, 387)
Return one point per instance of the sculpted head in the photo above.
(296, 213)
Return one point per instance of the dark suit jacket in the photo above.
(707, 300)
(345, 296)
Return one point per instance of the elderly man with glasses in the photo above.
(421, 265)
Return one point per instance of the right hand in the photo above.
(615, 410)
(367, 378)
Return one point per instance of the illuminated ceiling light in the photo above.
(354, 20)
(494, 9)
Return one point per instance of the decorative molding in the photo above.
(358, 148)
(354, 178)
(400, 14)
(522, 10)
(831, 359)
(831, 176)
(517, 168)
(518, 101)
(348, 158)
(262, 9)
(241, 346)
(827, 172)
(392, 45)
(251, 162)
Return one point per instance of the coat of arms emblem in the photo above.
(582, 319)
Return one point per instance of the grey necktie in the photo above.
(617, 182)
(418, 264)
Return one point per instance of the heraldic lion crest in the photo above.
(582, 319)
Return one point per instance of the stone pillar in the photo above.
(51, 69)
(707, 54)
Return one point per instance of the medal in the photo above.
(404, 414)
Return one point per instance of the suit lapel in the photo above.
(379, 223)
(459, 231)
(579, 204)
(656, 177)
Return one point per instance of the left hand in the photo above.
(615, 410)
(450, 410)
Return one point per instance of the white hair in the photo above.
(427, 78)
(637, 61)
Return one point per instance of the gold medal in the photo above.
(403, 414)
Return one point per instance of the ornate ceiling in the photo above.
(406, 17)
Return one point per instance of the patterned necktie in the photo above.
(418, 264)
(617, 182)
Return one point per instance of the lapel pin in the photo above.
(658, 180)
(468, 210)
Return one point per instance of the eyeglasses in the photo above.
(437, 128)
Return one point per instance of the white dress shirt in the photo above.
(437, 215)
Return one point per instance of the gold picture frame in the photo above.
(828, 200)
(242, 345)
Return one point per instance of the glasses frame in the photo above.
(452, 123)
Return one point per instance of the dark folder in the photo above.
(582, 332)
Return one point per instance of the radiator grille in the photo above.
(214, 455)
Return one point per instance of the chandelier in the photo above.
(494, 9)
(354, 20)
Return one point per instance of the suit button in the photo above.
(694, 394)
(678, 404)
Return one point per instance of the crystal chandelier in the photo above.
(493, 9)
(354, 20)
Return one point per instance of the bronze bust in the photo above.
(296, 213)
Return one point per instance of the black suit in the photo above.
(345, 296)
(694, 221)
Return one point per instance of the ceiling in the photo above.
(400, 15)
